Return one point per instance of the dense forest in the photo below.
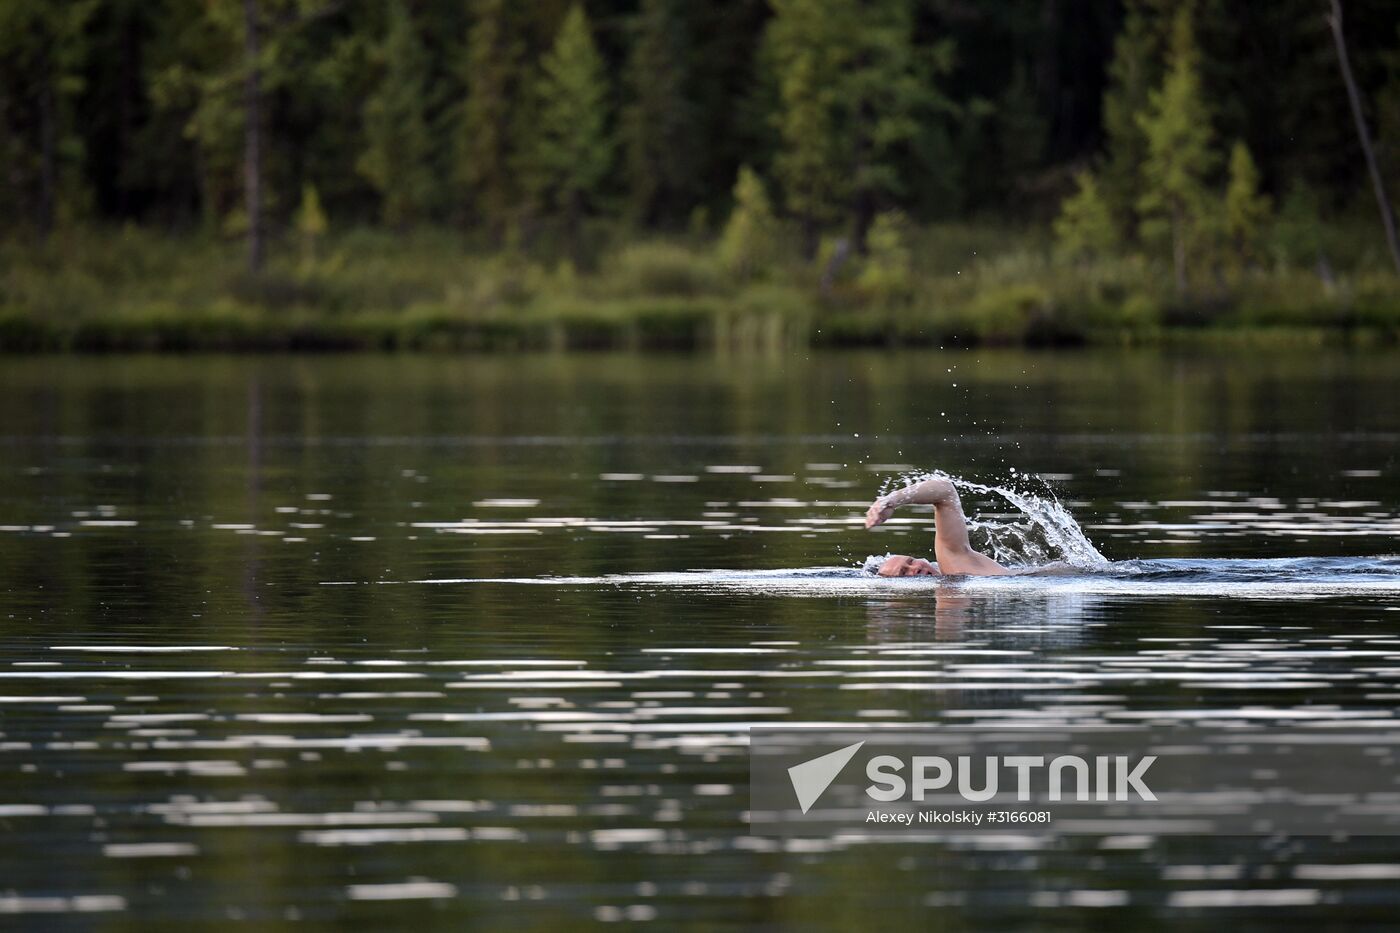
(848, 150)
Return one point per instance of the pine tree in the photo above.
(397, 140)
(217, 65)
(856, 99)
(809, 47)
(1179, 156)
(748, 243)
(200, 81)
(1246, 208)
(42, 44)
(662, 151)
(484, 145)
(888, 95)
(1134, 71)
(571, 152)
(1085, 227)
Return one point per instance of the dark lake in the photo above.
(380, 642)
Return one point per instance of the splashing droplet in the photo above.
(1044, 532)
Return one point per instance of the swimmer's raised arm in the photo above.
(926, 492)
(951, 546)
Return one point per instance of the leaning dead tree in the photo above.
(1387, 217)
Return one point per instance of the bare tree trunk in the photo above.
(1387, 218)
(252, 135)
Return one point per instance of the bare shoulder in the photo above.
(971, 562)
(991, 568)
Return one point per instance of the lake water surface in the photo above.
(390, 642)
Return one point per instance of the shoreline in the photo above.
(95, 290)
(663, 331)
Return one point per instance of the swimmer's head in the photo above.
(901, 565)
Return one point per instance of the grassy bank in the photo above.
(956, 285)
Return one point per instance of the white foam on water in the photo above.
(1045, 531)
(1305, 578)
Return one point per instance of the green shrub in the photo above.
(23, 333)
(1010, 313)
(505, 283)
(133, 289)
(1085, 228)
(1138, 312)
(886, 275)
(748, 245)
(659, 269)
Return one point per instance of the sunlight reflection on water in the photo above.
(409, 648)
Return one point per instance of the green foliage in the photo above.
(571, 150)
(43, 47)
(887, 273)
(888, 96)
(310, 223)
(200, 83)
(123, 111)
(808, 44)
(196, 82)
(855, 97)
(1179, 156)
(373, 288)
(484, 151)
(1284, 95)
(1298, 239)
(1021, 128)
(1247, 210)
(658, 127)
(1085, 227)
(1134, 71)
(499, 116)
(660, 269)
(749, 241)
(397, 142)
(1008, 314)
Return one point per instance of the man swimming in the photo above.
(950, 544)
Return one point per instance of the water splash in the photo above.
(1044, 533)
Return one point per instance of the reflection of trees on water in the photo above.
(1028, 621)
(1032, 625)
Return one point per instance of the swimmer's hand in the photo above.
(879, 512)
